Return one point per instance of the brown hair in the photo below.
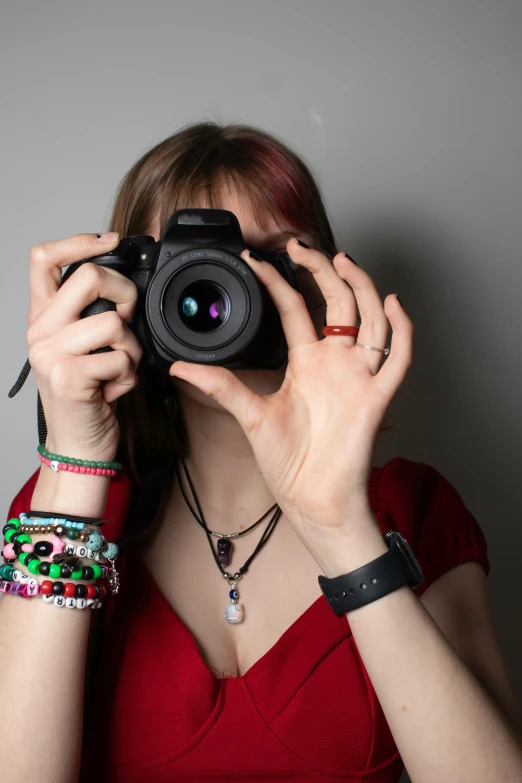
(187, 169)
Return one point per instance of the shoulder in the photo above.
(415, 490)
(420, 502)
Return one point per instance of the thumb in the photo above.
(223, 386)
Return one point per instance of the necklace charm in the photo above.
(234, 612)
(224, 549)
(113, 576)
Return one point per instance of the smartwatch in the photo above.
(381, 576)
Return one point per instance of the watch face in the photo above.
(393, 538)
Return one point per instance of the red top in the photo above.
(305, 711)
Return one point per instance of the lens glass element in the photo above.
(203, 306)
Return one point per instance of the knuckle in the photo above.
(90, 276)
(60, 378)
(39, 253)
(125, 362)
(227, 378)
(31, 334)
(136, 350)
(114, 323)
(38, 357)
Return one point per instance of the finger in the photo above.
(392, 373)
(223, 386)
(82, 288)
(374, 324)
(98, 331)
(116, 368)
(48, 258)
(291, 306)
(341, 306)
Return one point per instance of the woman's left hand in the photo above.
(314, 438)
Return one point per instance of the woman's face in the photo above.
(273, 237)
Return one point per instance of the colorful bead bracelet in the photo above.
(11, 574)
(50, 520)
(57, 465)
(68, 569)
(19, 545)
(80, 462)
(50, 594)
(96, 546)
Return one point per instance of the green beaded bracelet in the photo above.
(55, 568)
(81, 462)
(23, 538)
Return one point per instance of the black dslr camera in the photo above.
(197, 299)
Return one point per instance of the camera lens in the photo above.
(203, 306)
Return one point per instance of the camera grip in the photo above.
(100, 305)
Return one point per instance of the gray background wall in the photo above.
(409, 114)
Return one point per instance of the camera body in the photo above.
(197, 299)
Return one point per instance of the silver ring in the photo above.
(384, 351)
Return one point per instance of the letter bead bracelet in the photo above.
(19, 545)
(69, 595)
(65, 563)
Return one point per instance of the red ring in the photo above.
(348, 331)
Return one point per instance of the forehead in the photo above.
(256, 223)
(258, 226)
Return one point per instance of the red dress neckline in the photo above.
(317, 616)
(317, 613)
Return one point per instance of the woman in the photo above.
(293, 691)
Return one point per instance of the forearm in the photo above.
(445, 724)
(42, 658)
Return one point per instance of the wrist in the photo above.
(65, 492)
(341, 553)
(98, 453)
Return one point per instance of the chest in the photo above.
(280, 584)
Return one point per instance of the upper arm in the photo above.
(460, 604)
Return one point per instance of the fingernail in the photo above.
(111, 236)
(397, 295)
(254, 255)
(303, 244)
(351, 259)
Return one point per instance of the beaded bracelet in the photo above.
(96, 546)
(68, 522)
(95, 521)
(81, 462)
(11, 574)
(17, 541)
(58, 593)
(57, 465)
(69, 566)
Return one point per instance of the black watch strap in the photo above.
(383, 575)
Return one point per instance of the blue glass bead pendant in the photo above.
(234, 612)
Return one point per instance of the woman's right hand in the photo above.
(80, 415)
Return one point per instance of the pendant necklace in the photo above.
(234, 611)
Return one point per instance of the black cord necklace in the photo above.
(234, 612)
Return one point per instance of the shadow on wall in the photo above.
(457, 408)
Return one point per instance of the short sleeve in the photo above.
(425, 507)
(116, 506)
(22, 500)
